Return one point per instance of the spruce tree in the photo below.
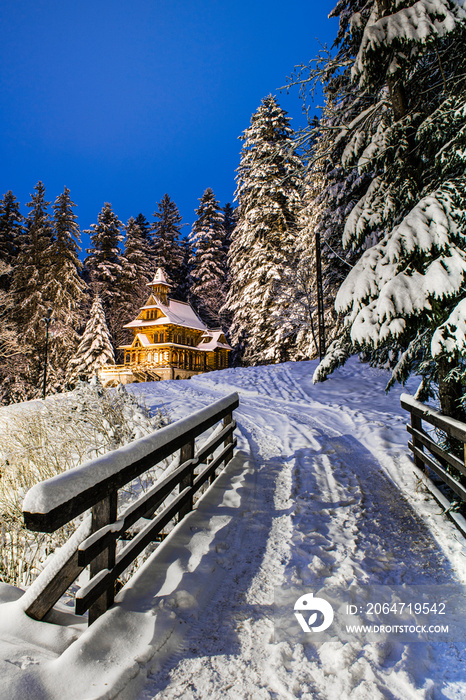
(145, 228)
(29, 278)
(208, 259)
(403, 300)
(108, 271)
(168, 252)
(183, 291)
(300, 282)
(103, 264)
(331, 190)
(264, 240)
(64, 288)
(140, 266)
(329, 194)
(229, 224)
(10, 227)
(12, 363)
(95, 348)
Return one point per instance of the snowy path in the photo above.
(320, 512)
(310, 502)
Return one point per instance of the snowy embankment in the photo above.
(321, 496)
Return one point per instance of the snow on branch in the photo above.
(417, 24)
(367, 215)
(450, 337)
(385, 287)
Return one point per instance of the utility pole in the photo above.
(46, 320)
(320, 296)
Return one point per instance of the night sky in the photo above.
(124, 101)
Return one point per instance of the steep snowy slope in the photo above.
(320, 499)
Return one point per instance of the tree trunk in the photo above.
(450, 392)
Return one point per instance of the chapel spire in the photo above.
(160, 286)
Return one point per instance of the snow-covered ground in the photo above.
(321, 497)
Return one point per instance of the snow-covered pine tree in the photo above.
(183, 290)
(145, 227)
(63, 288)
(95, 348)
(10, 233)
(107, 270)
(140, 265)
(29, 276)
(300, 282)
(168, 252)
(208, 259)
(404, 299)
(330, 190)
(264, 240)
(10, 227)
(13, 364)
(329, 194)
(229, 223)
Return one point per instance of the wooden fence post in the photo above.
(186, 453)
(103, 513)
(213, 476)
(229, 439)
(51, 593)
(416, 424)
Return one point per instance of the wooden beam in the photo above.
(416, 425)
(144, 507)
(454, 428)
(211, 468)
(435, 449)
(63, 579)
(227, 422)
(211, 446)
(187, 455)
(454, 485)
(55, 518)
(93, 590)
(103, 513)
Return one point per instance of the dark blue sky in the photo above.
(124, 101)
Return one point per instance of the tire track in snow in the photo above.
(342, 521)
(333, 529)
(205, 664)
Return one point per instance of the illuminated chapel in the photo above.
(169, 341)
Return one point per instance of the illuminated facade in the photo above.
(169, 341)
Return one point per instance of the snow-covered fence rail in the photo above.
(95, 485)
(439, 460)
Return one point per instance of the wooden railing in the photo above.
(95, 485)
(439, 460)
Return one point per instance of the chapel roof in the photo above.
(214, 341)
(177, 312)
(159, 278)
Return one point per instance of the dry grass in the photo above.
(42, 439)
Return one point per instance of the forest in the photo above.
(356, 223)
